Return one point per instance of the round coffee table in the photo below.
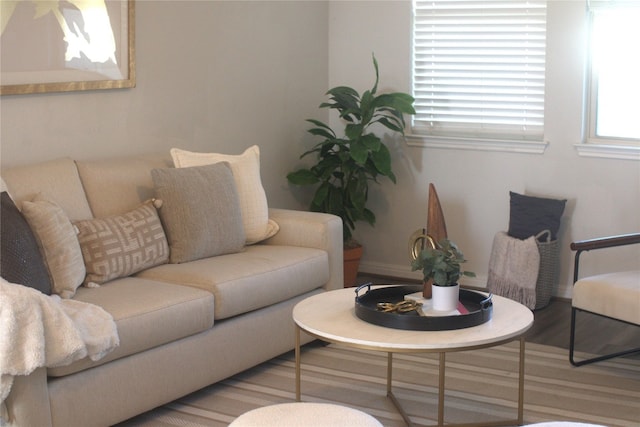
(330, 316)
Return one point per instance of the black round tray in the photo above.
(479, 306)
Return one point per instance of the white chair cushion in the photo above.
(616, 295)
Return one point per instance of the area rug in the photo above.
(481, 386)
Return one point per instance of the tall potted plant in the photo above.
(442, 262)
(346, 164)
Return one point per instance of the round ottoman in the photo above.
(305, 414)
(563, 424)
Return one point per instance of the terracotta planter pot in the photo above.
(351, 264)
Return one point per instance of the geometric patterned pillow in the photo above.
(121, 245)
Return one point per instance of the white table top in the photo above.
(331, 316)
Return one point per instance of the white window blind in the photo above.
(479, 68)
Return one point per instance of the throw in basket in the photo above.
(524, 270)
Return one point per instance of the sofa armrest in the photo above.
(606, 242)
(312, 230)
(28, 401)
(600, 243)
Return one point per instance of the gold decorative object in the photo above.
(400, 307)
(417, 242)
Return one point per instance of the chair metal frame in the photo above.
(587, 245)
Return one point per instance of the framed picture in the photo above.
(66, 45)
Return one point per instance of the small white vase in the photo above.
(445, 298)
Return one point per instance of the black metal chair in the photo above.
(612, 295)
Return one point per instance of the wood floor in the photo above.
(551, 326)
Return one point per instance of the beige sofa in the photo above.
(182, 326)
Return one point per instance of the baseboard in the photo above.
(400, 272)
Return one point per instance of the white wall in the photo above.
(473, 186)
(211, 76)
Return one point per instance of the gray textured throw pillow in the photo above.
(200, 211)
(20, 259)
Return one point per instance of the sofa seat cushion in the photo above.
(147, 314)
(259, 276)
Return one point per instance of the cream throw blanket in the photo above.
(37, 330)
(513, 268)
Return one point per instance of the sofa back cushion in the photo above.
(57, 180)
(118, 185)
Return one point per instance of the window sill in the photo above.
(624, 152)
(511, 146)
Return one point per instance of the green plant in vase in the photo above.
(442, 263)
(345, 165)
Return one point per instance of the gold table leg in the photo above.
(441, 392)
(389, 371)
(441, 389)
(392, 396)
(521, 384)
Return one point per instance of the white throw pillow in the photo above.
(58, 241)
(246, 173)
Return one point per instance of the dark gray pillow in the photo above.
(530, 215)
(20, 259)
(200, 211)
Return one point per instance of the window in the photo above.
(614, 86)
(478, 72)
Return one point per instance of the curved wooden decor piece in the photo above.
(436, 227)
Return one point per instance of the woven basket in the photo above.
(549, 268)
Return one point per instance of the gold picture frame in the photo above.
(53, 48)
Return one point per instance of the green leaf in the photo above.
(367, 107)
(440, 278)
(392, 123)
(319, 123)
(345, 98)
(320, 132)
(302, 177)
(369, 216)
(375, 66)
(397, 100)
(321, 195)
(382, 160)
(353, 131)
(359, 152)
(371, 141)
